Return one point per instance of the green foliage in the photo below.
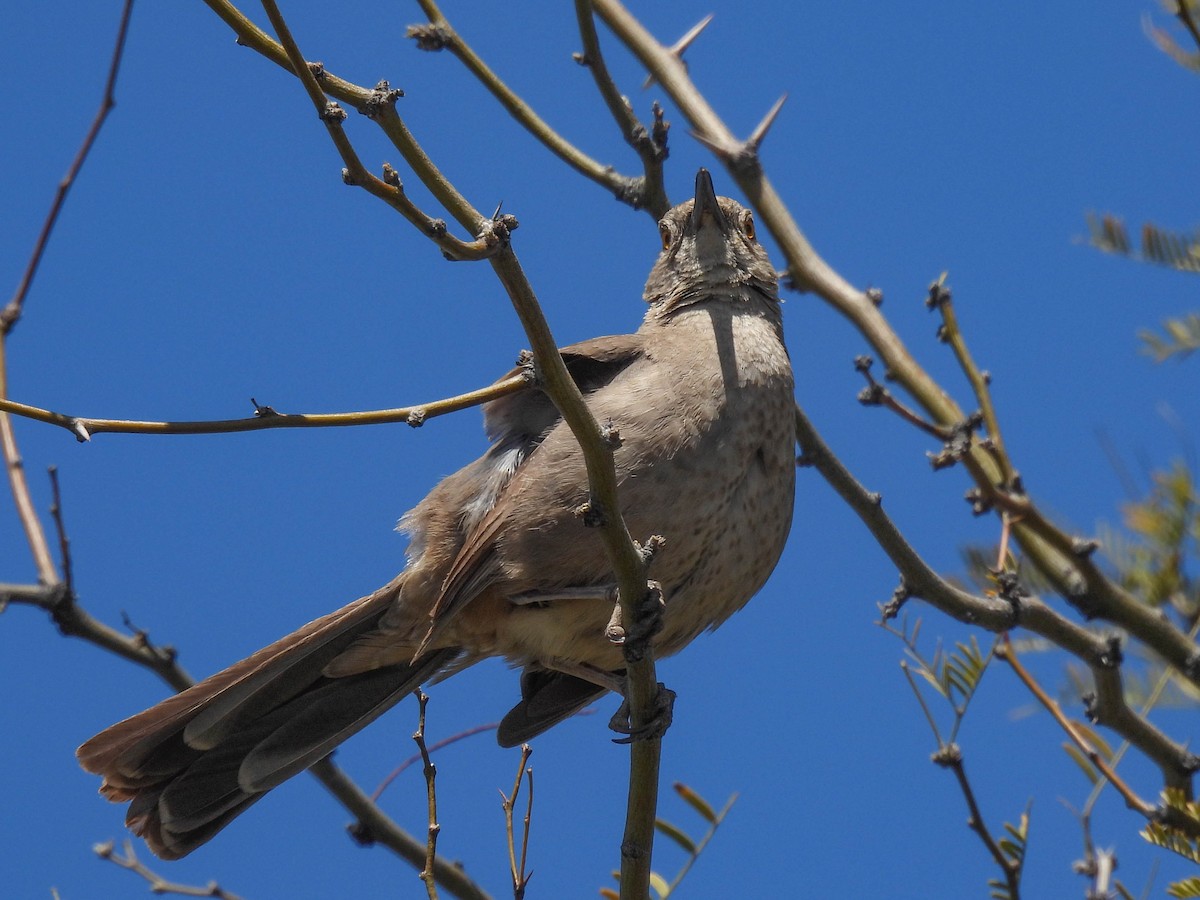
(1174, 250)
(1164, 834)
(1165, 248)
(1188, 887)
(1166, 525)
(1013, 846)
(1182, 337)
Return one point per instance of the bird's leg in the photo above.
(655, 727)
(635, 640)
(598, 677)
(607, 592)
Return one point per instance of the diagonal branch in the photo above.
(439, 34)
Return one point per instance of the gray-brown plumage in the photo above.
(499, 562)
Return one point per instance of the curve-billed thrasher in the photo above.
(499, 563)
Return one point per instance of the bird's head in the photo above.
(709, 251)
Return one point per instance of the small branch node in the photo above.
(939, 295)
(591, 513)
(261, 411)
(382, 98)
(332, 114)
(875, 295)
(611, 435)
(900, 595)
(980, 503)
(947, 756)
(430, 37)
(416, 418)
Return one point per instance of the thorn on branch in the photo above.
(430, 37)
(680, 46)
(382, 98)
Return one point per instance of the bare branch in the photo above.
(12, 312)
(83, 427)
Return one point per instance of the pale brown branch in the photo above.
(516, 868)
(439, 34)
(997, 614)
(83, 427)
(1005, 651)
(156, 883)
(435, 827)
(649, 144)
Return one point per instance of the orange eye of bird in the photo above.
(664, 231)
(748, 224)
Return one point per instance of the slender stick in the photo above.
(83, 427)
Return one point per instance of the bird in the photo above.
(499, 563)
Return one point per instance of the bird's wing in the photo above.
(527, 416)
(592, 364)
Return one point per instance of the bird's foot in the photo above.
(654, 728)
(647, 622)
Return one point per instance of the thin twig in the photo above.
(64, 543)
(950, 756)
(431, 799)
(516, 867)
(158, 884)
(1006, 652)
(439, 34)
(416, 757)
(694, 855)
(83, 427)
(939, 297)
(996, 614)
(12, 312)
(650, 145)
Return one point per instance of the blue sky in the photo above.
(210, 253)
